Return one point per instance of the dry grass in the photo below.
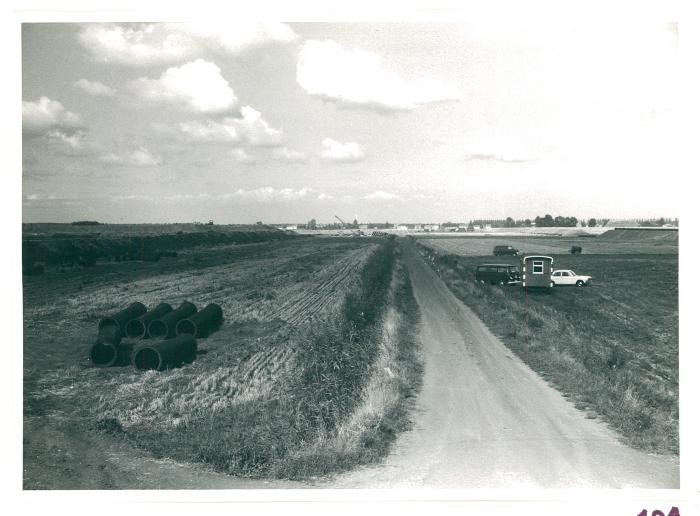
(483, 245)
(239, 406)
(382, 409)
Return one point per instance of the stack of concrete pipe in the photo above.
(108, 349)
(159, 339)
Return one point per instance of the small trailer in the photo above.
(537, 271)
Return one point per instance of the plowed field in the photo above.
(268, 291)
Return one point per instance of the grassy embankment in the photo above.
(333, 394)
(612, 348)
(83, 245)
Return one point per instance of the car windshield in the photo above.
(572, 273)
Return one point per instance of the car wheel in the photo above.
(501, 283)
(482, 281)
(580, 283)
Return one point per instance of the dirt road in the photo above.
(484, 419)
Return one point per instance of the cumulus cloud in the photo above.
(211, 131)
(138, 158)
(490, 150)
(341, 152)
(235, 38)
(151, 43)
(257, 131)
(42, 197)
(360, 78)
(241, 156)
(95, 88)
(504, 158)
(134, 44)
(187, 197)
(421, 197)
(133, 197)
(268, 194)
(47, 117)
(287, 154)
(250, 128)
(380, 195)
(74, 141)
(197, 86)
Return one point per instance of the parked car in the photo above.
(569, 277)
(498, 274)
(505, 250)
(576, 249)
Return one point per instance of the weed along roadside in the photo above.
(361, 370)
(611, 348)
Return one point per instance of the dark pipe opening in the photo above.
(186, 327)
(135, 329)
(102, 354)
(157, 329)
(107, 321)
(147, 358)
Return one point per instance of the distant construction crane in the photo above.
(341, 221)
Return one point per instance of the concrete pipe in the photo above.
(202, 323)
(108, 350)
(164, 327)
(138, 328)
(120, 319)
(160, 355)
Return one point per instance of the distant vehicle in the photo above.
(569, 277)
(505, 250)
(537, 271)
(497, 274)
(576, 249)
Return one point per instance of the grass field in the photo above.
(611, 347)
(48, 229)
(247, 404)
(65, 246)
(614, 242)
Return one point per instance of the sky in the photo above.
(410, 122)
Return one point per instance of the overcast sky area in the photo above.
(401, 122)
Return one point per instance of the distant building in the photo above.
(401, 227)
(292, 227)
(362, 226)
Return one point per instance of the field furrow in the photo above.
(326, 289)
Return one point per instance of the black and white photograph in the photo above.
(300, 254)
